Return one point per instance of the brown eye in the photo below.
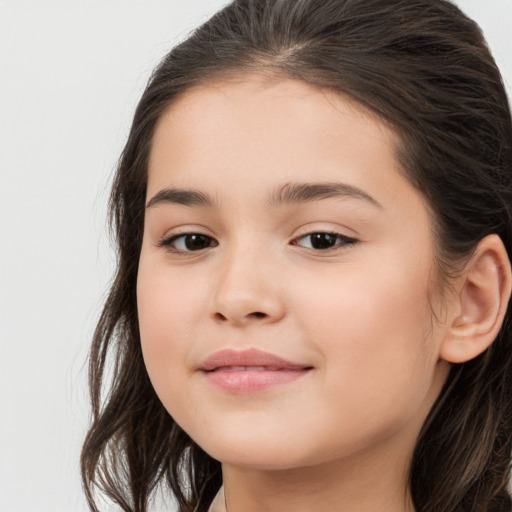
(324, 241)
(189, 242)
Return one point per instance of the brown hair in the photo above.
(424, 67)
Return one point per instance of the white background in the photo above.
(71, 73)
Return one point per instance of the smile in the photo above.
(250, 370)
(245, 368)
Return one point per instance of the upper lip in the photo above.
(248, 358)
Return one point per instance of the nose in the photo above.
(247, 291)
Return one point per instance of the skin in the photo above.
(359, 314)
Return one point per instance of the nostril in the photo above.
(258, 314)
(220, 317)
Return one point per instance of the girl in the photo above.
(314, 219)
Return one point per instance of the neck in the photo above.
(348, 486)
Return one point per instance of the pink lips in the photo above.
(250, 370)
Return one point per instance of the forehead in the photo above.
(252, 90)
(248, 96)
(253, 123)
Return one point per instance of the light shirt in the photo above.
(218, 503)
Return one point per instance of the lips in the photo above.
(250, 370)
(252, 358)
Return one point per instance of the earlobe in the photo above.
(482, 303)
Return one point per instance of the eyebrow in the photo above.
(290, 193)
(304, 192)
(181, 196)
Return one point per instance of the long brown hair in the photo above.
(424, 67)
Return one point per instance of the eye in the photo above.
(188, 242)
(323, 241)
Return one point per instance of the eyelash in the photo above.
(340, 241)
(168, 242)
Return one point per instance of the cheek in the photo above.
(359, 299)
(167, 311)
(374, 328)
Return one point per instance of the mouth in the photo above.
(246, 368)
(250, 370)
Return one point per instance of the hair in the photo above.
(424, 68)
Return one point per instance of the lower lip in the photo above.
(250, 381)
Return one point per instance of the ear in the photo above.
(481, 305)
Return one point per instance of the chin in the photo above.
(259, 453)
(259, 462)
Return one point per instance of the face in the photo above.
(285, 278)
